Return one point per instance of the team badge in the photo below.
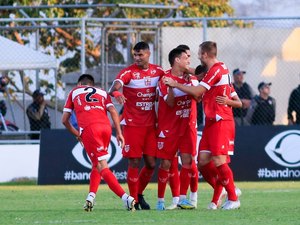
(160, 145)
(147, 81)
(153, 71)
(126, 148)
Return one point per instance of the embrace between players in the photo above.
(170, 132)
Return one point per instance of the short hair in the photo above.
(174, 53)
(200, 69)
(185, 47)
(141, 46)
(86, 79)
(209, 47)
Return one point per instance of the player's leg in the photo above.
(163, 177)
(134, 138)
(174, 183)
(114, 185)
(194, 184)
(185, 177)
(149, 155)
(95, 179)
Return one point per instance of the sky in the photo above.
(272, 8)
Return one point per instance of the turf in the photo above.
(261, 203)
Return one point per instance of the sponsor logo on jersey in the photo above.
(284, 148)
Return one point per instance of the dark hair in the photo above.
(141, 46)
(185, 47)
(200, 69)
(209, 47)
(86, 79)
(174, 53)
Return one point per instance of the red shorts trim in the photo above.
(218, 137)
(96, 139)
(139, 141)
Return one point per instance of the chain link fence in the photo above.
(267, 49)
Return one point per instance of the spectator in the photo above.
(245, 93)
(262, 108)
(38, 114)
(294, 106)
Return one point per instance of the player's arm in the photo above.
(114, 91)
(196, 91)
(234, 102)
(66, 122)
(116, 120)
(170, 100)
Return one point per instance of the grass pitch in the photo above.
(261, 203)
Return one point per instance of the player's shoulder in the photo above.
(156, 67)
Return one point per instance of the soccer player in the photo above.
(91, 105)
(218, 131)
(175, 129)
(139, 82)
(174, 180)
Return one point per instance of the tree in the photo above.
(63, 38)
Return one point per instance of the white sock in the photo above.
(194, 196)
(125, 197)
(91, 196)
(181, 197)
(175, 200)
(161, 199)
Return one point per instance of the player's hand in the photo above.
(80, 140)
(169, 81)
(222, 100)
(120, 98)
(121, 140)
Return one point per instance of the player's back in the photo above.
(218, 82)
(90, 105)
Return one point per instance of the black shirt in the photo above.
(244, 92)
(264, 111)
(294, 104)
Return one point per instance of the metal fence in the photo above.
(267, 49)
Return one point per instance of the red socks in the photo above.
(209, 173)
(95, 179)
(112, 182)
(185, 178)
(174, 180)
(194, 177)
(163, 176)
(226, 179)
(144, 178)
(132, 181)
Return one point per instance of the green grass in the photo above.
(261, 203)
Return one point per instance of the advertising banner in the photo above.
(261, 153)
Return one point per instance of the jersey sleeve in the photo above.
(124, 76)
(163, 89)
(69, 106)
(212, 77)
(108, 102)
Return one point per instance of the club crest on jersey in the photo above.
(160, 145)
(137, 75)
(126, 148)
(147, 81)
(87, 108)
(153, 72)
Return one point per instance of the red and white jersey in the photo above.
(217, 81)
(90, 105)
(139, 87)
(173, 121)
